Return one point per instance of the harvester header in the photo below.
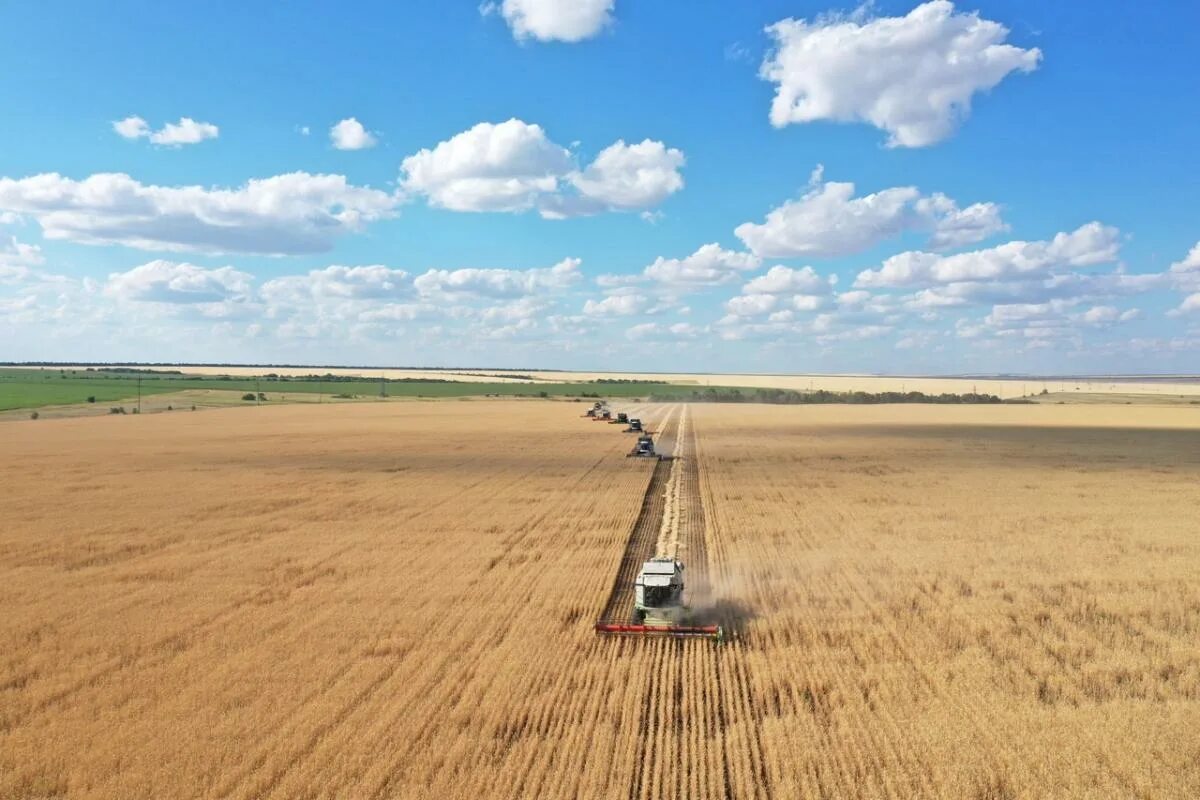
(676, 631)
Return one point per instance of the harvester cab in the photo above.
(644, 447)
(622, 418)
(658, 593)
(591, 412)
(604, 414)
(635, 426)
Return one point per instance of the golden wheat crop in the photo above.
(396, 600)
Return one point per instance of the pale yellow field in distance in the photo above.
(395, 600)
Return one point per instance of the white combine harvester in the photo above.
(658, 607)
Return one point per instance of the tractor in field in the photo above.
(644, 448)
(635, 426)
(658, 607)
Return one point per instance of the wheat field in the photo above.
(396, 600)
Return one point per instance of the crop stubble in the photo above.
(396, 601)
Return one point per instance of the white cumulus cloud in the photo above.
(132, 127)
(1088, 245)
(1190, 262)
(954, 227)
(828, 221)
(179, 283)
(514, 166)
(282, 215)
(491, 167)
(1190, 304)
(710, 265)
(15, 253)
(785, 280)
(625, 176)
(172, 134)
(653, 330)
(1101, 316)
(617, 305)
(336, 282)
(553, 20)
(499, 282)
(349, 134)
(751, 305)
(911, 76)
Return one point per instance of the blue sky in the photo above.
(603, 184)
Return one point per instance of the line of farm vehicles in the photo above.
(644, 447)
(658, 604)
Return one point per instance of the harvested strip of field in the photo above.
(643, 539)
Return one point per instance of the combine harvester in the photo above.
(621, 419)
(594, 410)
(635, 426)
(644, 448)
(658, 608)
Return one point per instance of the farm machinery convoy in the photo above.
(659, 609)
